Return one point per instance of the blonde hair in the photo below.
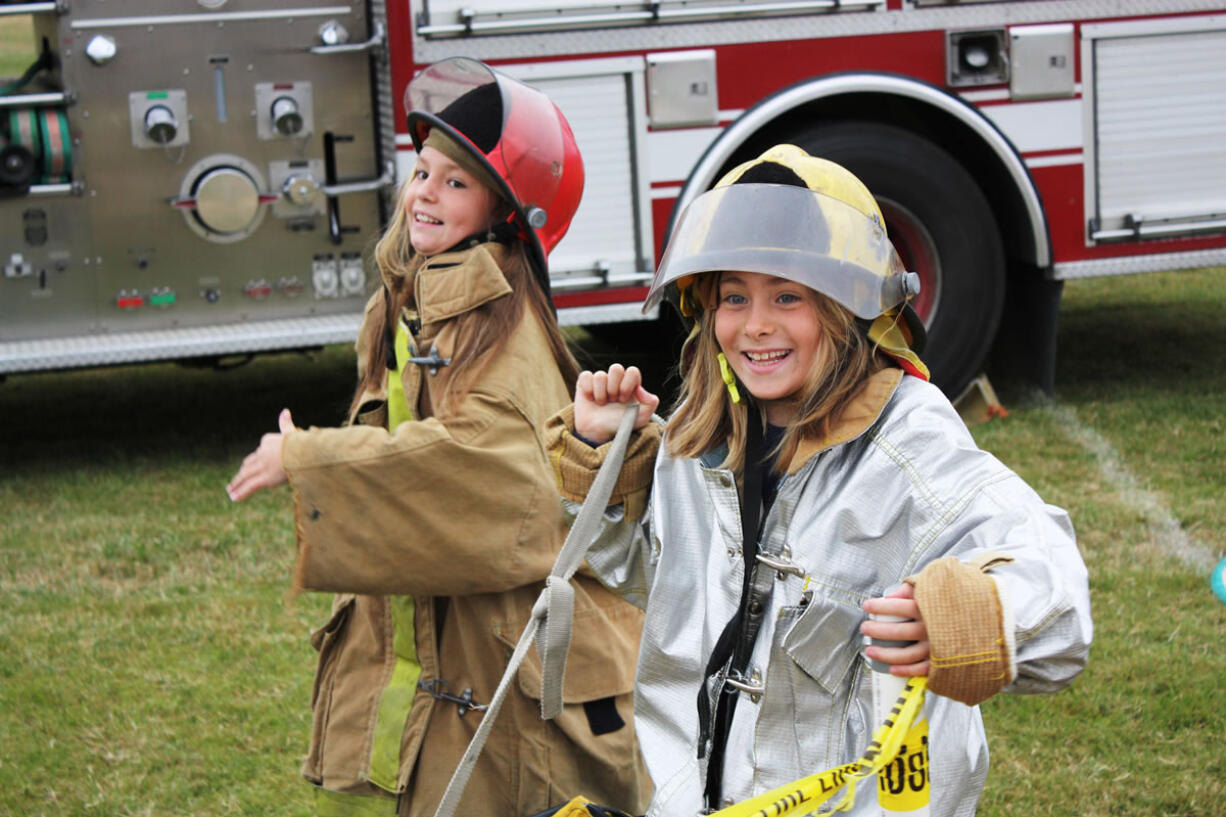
(705, 417)
(483, 332)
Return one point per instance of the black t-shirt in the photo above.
(770, 476)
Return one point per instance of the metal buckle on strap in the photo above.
(437, 688)
(781, 563)
(432, 361)
(753, 686)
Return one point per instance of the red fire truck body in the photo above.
(1013, 144)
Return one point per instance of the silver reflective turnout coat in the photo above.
(902, 484)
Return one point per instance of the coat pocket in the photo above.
(604, 646)
(590, 747)
(325, 641)
(825, 641)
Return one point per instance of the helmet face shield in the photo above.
(436, 88)
(791, 232)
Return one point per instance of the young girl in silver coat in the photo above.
(811, 477)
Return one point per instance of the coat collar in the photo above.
(454, 282)
(860, 415)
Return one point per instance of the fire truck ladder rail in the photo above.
(650, 13)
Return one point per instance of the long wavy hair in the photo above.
(483, 332)
(705, 417)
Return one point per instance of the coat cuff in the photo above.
(972, 655)
(575, 462)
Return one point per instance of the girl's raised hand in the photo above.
(601, 398)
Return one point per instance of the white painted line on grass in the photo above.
(1168, 532)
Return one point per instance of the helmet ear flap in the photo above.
(685, 296)
(917, 334)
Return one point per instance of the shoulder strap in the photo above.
(550, 623)
(730, 656)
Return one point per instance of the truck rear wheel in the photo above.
(943, 227)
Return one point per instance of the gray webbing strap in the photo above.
(554, 607)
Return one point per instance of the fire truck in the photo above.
(195, 179)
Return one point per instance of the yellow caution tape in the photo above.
(902, 783)
(805, 795)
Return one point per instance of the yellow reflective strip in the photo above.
(397, 698)
(335, 804)
(805, 795)
(398, 410)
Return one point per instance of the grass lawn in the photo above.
(17, 46)
(1132, 447)
(150, 663)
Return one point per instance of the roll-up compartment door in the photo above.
(1156, 102)
(610, 239)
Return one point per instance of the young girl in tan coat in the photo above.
(433, 514)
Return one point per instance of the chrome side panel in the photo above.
(147, 247)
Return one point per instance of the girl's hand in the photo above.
(601, 398)
(911, 660)
(262, 468)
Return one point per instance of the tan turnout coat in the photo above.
(462, 514)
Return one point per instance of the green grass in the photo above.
(149, 660)
(17, 46)
(1143, 364)
(150, 663)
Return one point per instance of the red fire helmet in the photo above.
(517, 132)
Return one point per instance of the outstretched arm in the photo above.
(262, 468)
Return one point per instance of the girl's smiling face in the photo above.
(767, 328)
(444, 203)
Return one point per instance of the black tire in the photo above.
(942, 226)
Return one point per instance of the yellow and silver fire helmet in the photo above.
(798, 217)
